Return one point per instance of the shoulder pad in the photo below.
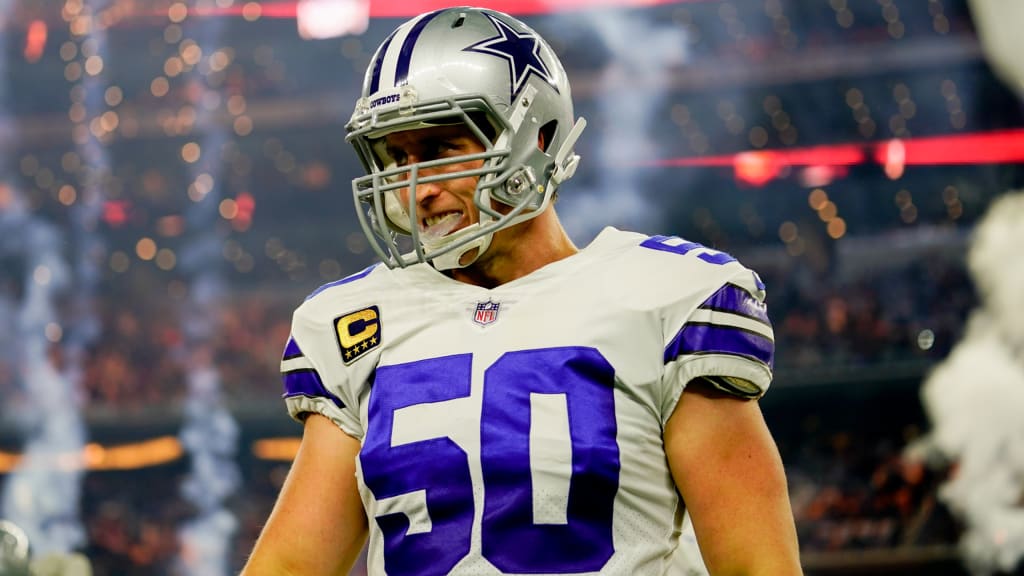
(351, 278)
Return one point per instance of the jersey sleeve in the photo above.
(727, 339)
(310, 386)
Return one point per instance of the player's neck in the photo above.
(519, 251)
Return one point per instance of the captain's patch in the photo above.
(358, 333)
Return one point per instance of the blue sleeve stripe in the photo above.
(291, 350)
(761, 319)
(306, 382)
(731, 298)
(701, 338)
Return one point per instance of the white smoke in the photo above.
(41, 495)
(209, 431)
(210, 435)
(641, 58)
(975, 400)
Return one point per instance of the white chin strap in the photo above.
(449, 260)
(452, 260)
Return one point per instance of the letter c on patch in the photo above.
(357, 326)
(358, 333)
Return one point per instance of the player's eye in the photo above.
(432, 149)
(398, 156)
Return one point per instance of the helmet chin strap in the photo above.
(453, 259)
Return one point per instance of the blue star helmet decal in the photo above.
(522, 51)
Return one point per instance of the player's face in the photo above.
(442, 202)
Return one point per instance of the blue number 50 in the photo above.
(510, 538)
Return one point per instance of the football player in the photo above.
(492, 400)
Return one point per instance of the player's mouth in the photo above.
(433, 228)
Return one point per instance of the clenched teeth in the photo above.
(431, 220)
(437, 227)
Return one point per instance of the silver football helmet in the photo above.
(501, 79)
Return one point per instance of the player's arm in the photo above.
(318, 525)
(730, 475)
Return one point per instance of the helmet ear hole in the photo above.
(547, 133)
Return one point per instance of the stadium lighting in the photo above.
(995, 147)
(320, 19)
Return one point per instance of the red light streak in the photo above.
(409, 8)
(996, 147)
(35, 40)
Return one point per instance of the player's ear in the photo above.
(546, 135)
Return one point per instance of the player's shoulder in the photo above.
(347, 291)
(666, 260)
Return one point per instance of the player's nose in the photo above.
(425, 192)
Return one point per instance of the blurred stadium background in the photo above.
(174, 180)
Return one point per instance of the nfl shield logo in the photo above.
(486, 312)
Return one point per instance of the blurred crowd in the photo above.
(915, 312)
(912, 313)
(853, 490)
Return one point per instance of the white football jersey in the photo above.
(518, 429)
